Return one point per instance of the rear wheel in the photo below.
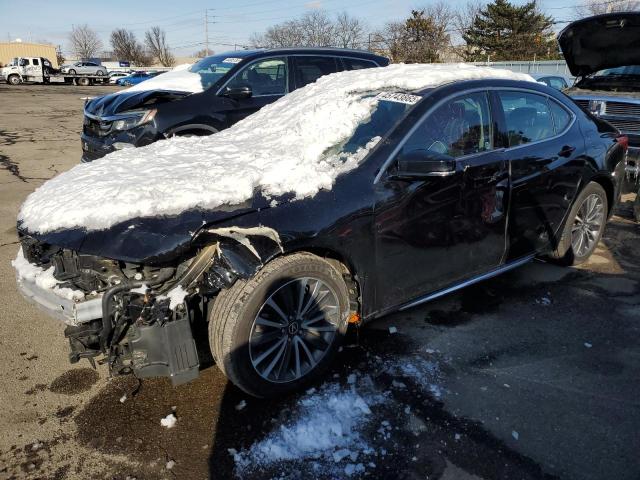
(72, 72)
(83, 82)
(100, 73)
(279, 331)
(584, 227)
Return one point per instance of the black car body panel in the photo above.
(202, 113)
(600, 42)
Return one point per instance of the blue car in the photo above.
(136, 78)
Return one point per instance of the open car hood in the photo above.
(119, 102)
(603, 41)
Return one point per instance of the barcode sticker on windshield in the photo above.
(399, 97)
(232, 60)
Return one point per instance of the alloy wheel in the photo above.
(587, 225)
(294, 329)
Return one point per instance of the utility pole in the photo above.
(206, 32)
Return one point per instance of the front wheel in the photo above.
(279, 331)
(584, 227)
(14, 79)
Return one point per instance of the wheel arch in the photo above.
(193, 127)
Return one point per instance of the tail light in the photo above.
(623, 140)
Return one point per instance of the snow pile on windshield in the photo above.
(280, 149)
(178, 79)
(44, 279)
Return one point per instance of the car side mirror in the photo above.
(424, 163)
(238, 92)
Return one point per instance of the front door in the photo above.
(546, 155)
(435, 230)
(268, 80)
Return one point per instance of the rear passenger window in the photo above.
(561, 117)
(527, 117)
(309, 69)
(36, 61)
(357, 63)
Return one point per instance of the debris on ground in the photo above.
(169, 421)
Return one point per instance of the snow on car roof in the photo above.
(279, 150)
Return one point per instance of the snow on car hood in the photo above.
(278, 150)
(180, 79)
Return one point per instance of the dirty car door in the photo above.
(434, 228)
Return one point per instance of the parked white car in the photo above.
(84, 68)
(114, 76)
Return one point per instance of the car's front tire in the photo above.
(584, 226)
(279, 331)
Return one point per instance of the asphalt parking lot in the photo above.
(531, 375)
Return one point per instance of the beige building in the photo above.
(10, 50)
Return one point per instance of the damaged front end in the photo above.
(138, 318)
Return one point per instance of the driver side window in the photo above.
(264, 77)
(461, 126)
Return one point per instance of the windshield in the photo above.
(390, 108)
(212, 69)
(628, 70)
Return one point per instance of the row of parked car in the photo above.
(280, 233)
(127, 79)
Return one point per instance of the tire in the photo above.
(72, 72)
(235, 311)
(84, 82)
(570, 252)
(100, 73)
(13, 79)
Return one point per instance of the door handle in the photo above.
(566, 151)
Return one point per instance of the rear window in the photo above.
(357, 63)
(561, 118)
(527, 116)
(308, 69)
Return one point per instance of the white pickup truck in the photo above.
(40, 70)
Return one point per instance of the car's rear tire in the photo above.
(84, 82)
(279, 331)
(100, 73)
(584, 226)
(72, 72)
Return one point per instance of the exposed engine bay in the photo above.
(141, 316)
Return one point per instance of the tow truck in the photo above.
(40, 70)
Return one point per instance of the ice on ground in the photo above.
(588, 345)
(289, 155)
(42, 278)
(170, 464)
(123, 399)
(393, 330)
(169, 421)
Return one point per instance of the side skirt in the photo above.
(485, 276)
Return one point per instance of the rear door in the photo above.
(438, 229)
(268, 79)
(545, 152)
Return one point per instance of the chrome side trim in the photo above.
(466, 283)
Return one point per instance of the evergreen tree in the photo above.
(504, 31)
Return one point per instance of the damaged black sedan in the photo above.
(377, 191)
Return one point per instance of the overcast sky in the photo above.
(230, 22)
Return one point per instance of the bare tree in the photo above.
(85, 42)
(389, 41)
(155, 40)
(202, 53)
(349, 31)
(318, 28)
(126, 47)
(287, 34)
(597, 7)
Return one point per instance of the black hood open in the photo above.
(116, 103)
(603, 41)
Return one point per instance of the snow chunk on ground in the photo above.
(42, 278)
(290, 155)
(169, 421)
(327, 423)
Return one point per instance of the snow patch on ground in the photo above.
(42, 278)
(169, 421)
(289, 155)
(340, 429)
